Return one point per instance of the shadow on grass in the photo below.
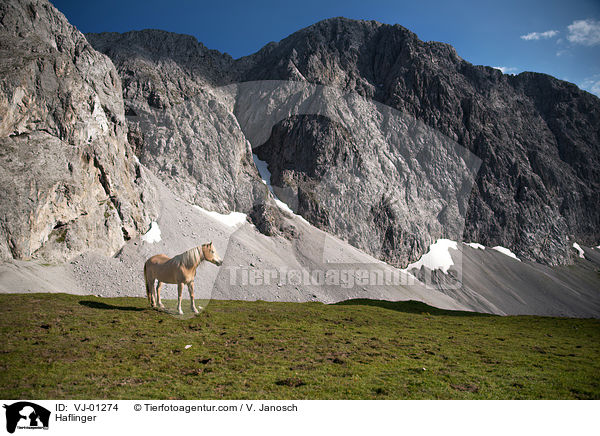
(410, 306)
(104, 306)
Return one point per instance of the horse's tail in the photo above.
(148, 289)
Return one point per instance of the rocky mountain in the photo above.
(424, 144)
(538, 137)
(69, 181)
(386, 141)
(180, 124)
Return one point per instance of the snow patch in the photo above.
(438, 256)
(579, 249)
(506, 252)
(475, 245)
(265, 175)
(232, 219)
(152, 235)
(283, 206)
(263, 170)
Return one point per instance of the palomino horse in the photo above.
(181, 270)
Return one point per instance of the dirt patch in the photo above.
(292, 382)
(467, 387)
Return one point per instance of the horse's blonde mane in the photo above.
(189, 258)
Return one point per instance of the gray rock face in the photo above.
(180, 122)
(381, 180)
(68, 179)
(537, 190)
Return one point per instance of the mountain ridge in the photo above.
(536, 192)
(94, 150)
(533, 132)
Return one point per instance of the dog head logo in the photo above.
(26, 415)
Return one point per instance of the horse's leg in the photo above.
(149, 286)
(191, 291)
(158, 288)
(152, 293)
(179, 292)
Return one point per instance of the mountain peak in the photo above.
(536, 135)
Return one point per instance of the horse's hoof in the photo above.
(180, 312)
(162, 306)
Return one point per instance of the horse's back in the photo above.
(159, 259)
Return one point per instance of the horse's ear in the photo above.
(210, 243)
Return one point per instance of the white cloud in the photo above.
(586, 32)
(534, 36)
(506, 70)
(592, 84)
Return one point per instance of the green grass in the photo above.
(58, 346)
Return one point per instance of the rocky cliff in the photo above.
(69, 181)
(538, 188)
(181, 124)
(399, 168)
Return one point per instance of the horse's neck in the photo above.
(195, 265)
(200, 259)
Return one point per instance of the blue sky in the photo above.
(561, 38)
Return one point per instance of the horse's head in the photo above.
(210, 254)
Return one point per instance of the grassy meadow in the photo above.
(59, 346)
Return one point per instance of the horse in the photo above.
(179, 270)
